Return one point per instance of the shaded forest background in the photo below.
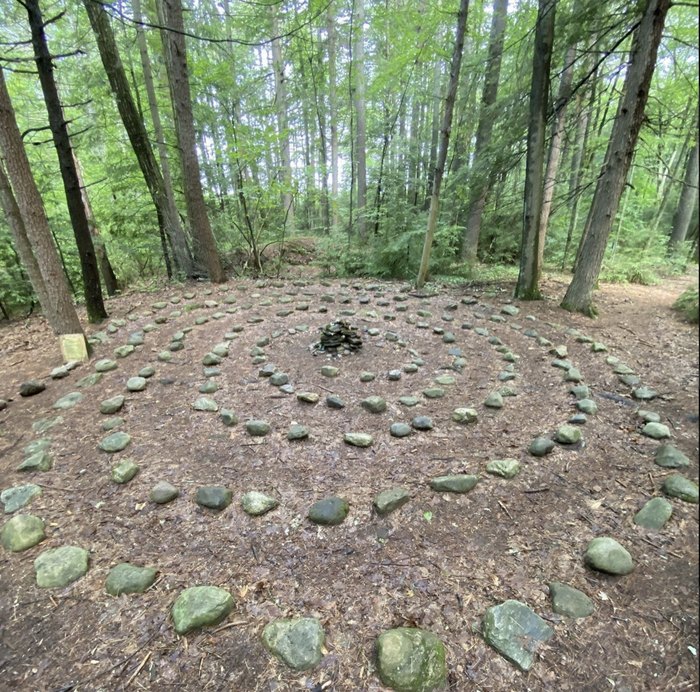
(318, 125)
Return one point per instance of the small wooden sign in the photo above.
(73, 347)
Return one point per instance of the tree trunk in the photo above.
(333, 113)
(360, 114)
(205, 251)
(59, 131)
(623, 140)
(479, 182)
(686, 203)
(434, 127)
(527, 287)
(26, 218)
(444, 142)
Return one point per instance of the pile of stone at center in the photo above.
(338, 336)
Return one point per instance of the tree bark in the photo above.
(455, 66)
(25, 214)
(59, 131)
(333, 113)
(360, 114)
(686, 203)
(205, 251)
(621, 146)
(527, 287)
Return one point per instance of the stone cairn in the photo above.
(338, 336)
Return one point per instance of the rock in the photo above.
(681, 487)
(567, 435)
(465, 415)
(358, 439)
(211, 372)
(329, 512)
(409, 400)
(163, 492)
(506, 468)
(39, 461)
(37, 445)
(367, 376)
(569, 601)
(411, 660)
(115, 442)
(587, 406)
(278, 379)
(220, 350)
(598, 347)
(89, 380)
(105, 365)
(668, 457)
(434, 393)
(136, 339)
(606, 555)
(630, 380)
(298, 641)
(649, 416)
(308, 397)
(111, 423)
(127, 578)
(510, 310)
(330, 371)
(516, 632)
(257, 504)
(18, 496)
(257, 428)
(200, 606)
(657, 431)
(562, 364)
(422, 423)
(644, 394)
(205, 403)
(124, 471)
(45, 424)
(400, 430)
(165, 356)
(297, 432)
(31, 387)
(334, 402)
(59, 373)
(136, 384)
(389, 500)
(374, 404)
(228, 418)
(655, 513)
(3, 404)
(578, 419)
(445, 380)
(540, 446)
(124, 351)
(395, 375)
(494, 400)
(112, 405)
(21, 532)
(68, 401)
(213, 497)
(580, 391)
(59, 567)
(573, 375)
(456, 483)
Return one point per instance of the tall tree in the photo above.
(687, 202)
(621, 146)
(358, 94)
(333, 112)
(173, 35)
(71, 185)
(527, 287)
(24, 211)
(455, 66)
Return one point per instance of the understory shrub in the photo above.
(687, 304)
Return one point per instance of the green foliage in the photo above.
(687, 304)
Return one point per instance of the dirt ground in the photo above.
(438, 563)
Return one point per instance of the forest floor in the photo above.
(439, 562)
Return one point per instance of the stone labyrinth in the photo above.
(235, 373)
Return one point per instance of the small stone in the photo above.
(220, 350)
(211, 372)
(562, 364)
(115, 442)
(644, 394)
(68, 401)
(256, 504)
(358, 439)
(111, 423)
(297, 432)
(400, 430)
(367, 376)
(163, 492)
(510, 310)
(465, 415)
(37, 446)
(434, 393)
(39, 461)
(31, 387)
(105, 365)
(204, 403)
(578, 419)
(124, 351)
(330, 371)
(573, 375)
(127, 578)
(455, 483)
(598, 347)
(136, 384)
(657, 431)
(580, 391)
(267, 370)
(567, 435)
(136, 339)
(390, 500)
(630, 380)
(22, 532)
(59, 373)
(200, 606)
(668, 457)
(540, 446)
(445, 380)
(257, 428)
(124, 471)
(112, 405)
(213, 497)
(587, 406)
(649, 416)
(682, 488)
(506, 468)
(569, 601)
(60, 567)
(334, 402)
(606, 555)
(622, 369)
(228, 418)
(278, 379)
(560, 351)
(374, 404)
(329, 512)
(211, 359)
(494, 400)
(89, 380)
(208, 387)
(18, 496)
(422, 423)
(165, 356)
(655, 513)
(395, 375)
(298, 641)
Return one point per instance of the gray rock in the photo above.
(540, 446)
(211, 372)
(445, 380)
(200, 606)
(566, 600)
(681, 487)
(465, 415)
(510, 310)
(213, 497)
(21, 532)
(208, 387)
(573, 375)
(163, 492)
(358, 439)
(598, 347)
(297, 432)
(330, 511)
(578, 419)
(411, 660)
(395, 375)
(400, 430)
(605, 554)
(644, 394)
(37, 445)
(456, 483)
(334, 402)
(587, 406)
(124, 351)
(105, 365)
(59, 373)
(31, 387)
(60, 567)
(136, 384)
(655, 513)
(136, 339)
(257, 504)
(308, 397)
(506, 468)
(567, 435)
(434, 393)
(68, 401)
(205, 403)
(367, 376)
(516, 632)
(3, 404)
(174, 347)
(630, 380)
(389, 500)
(112, 423)
(115, 442)
(220, 350)
(257, 428)
(409, 400)
(128, 578)
(668, 457)
(228, 418)
(124, 471)
(39, 461)
(562, 364)
(494, 400)
(18, 496)
(580, 391)
(657, 431)
(422, 423)
(112, 405)
(649, 416)
(622, 369)
(330, 371)
(89, 380)
(374, 404)
(278, 379)
(165, 356)
(298, 641)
